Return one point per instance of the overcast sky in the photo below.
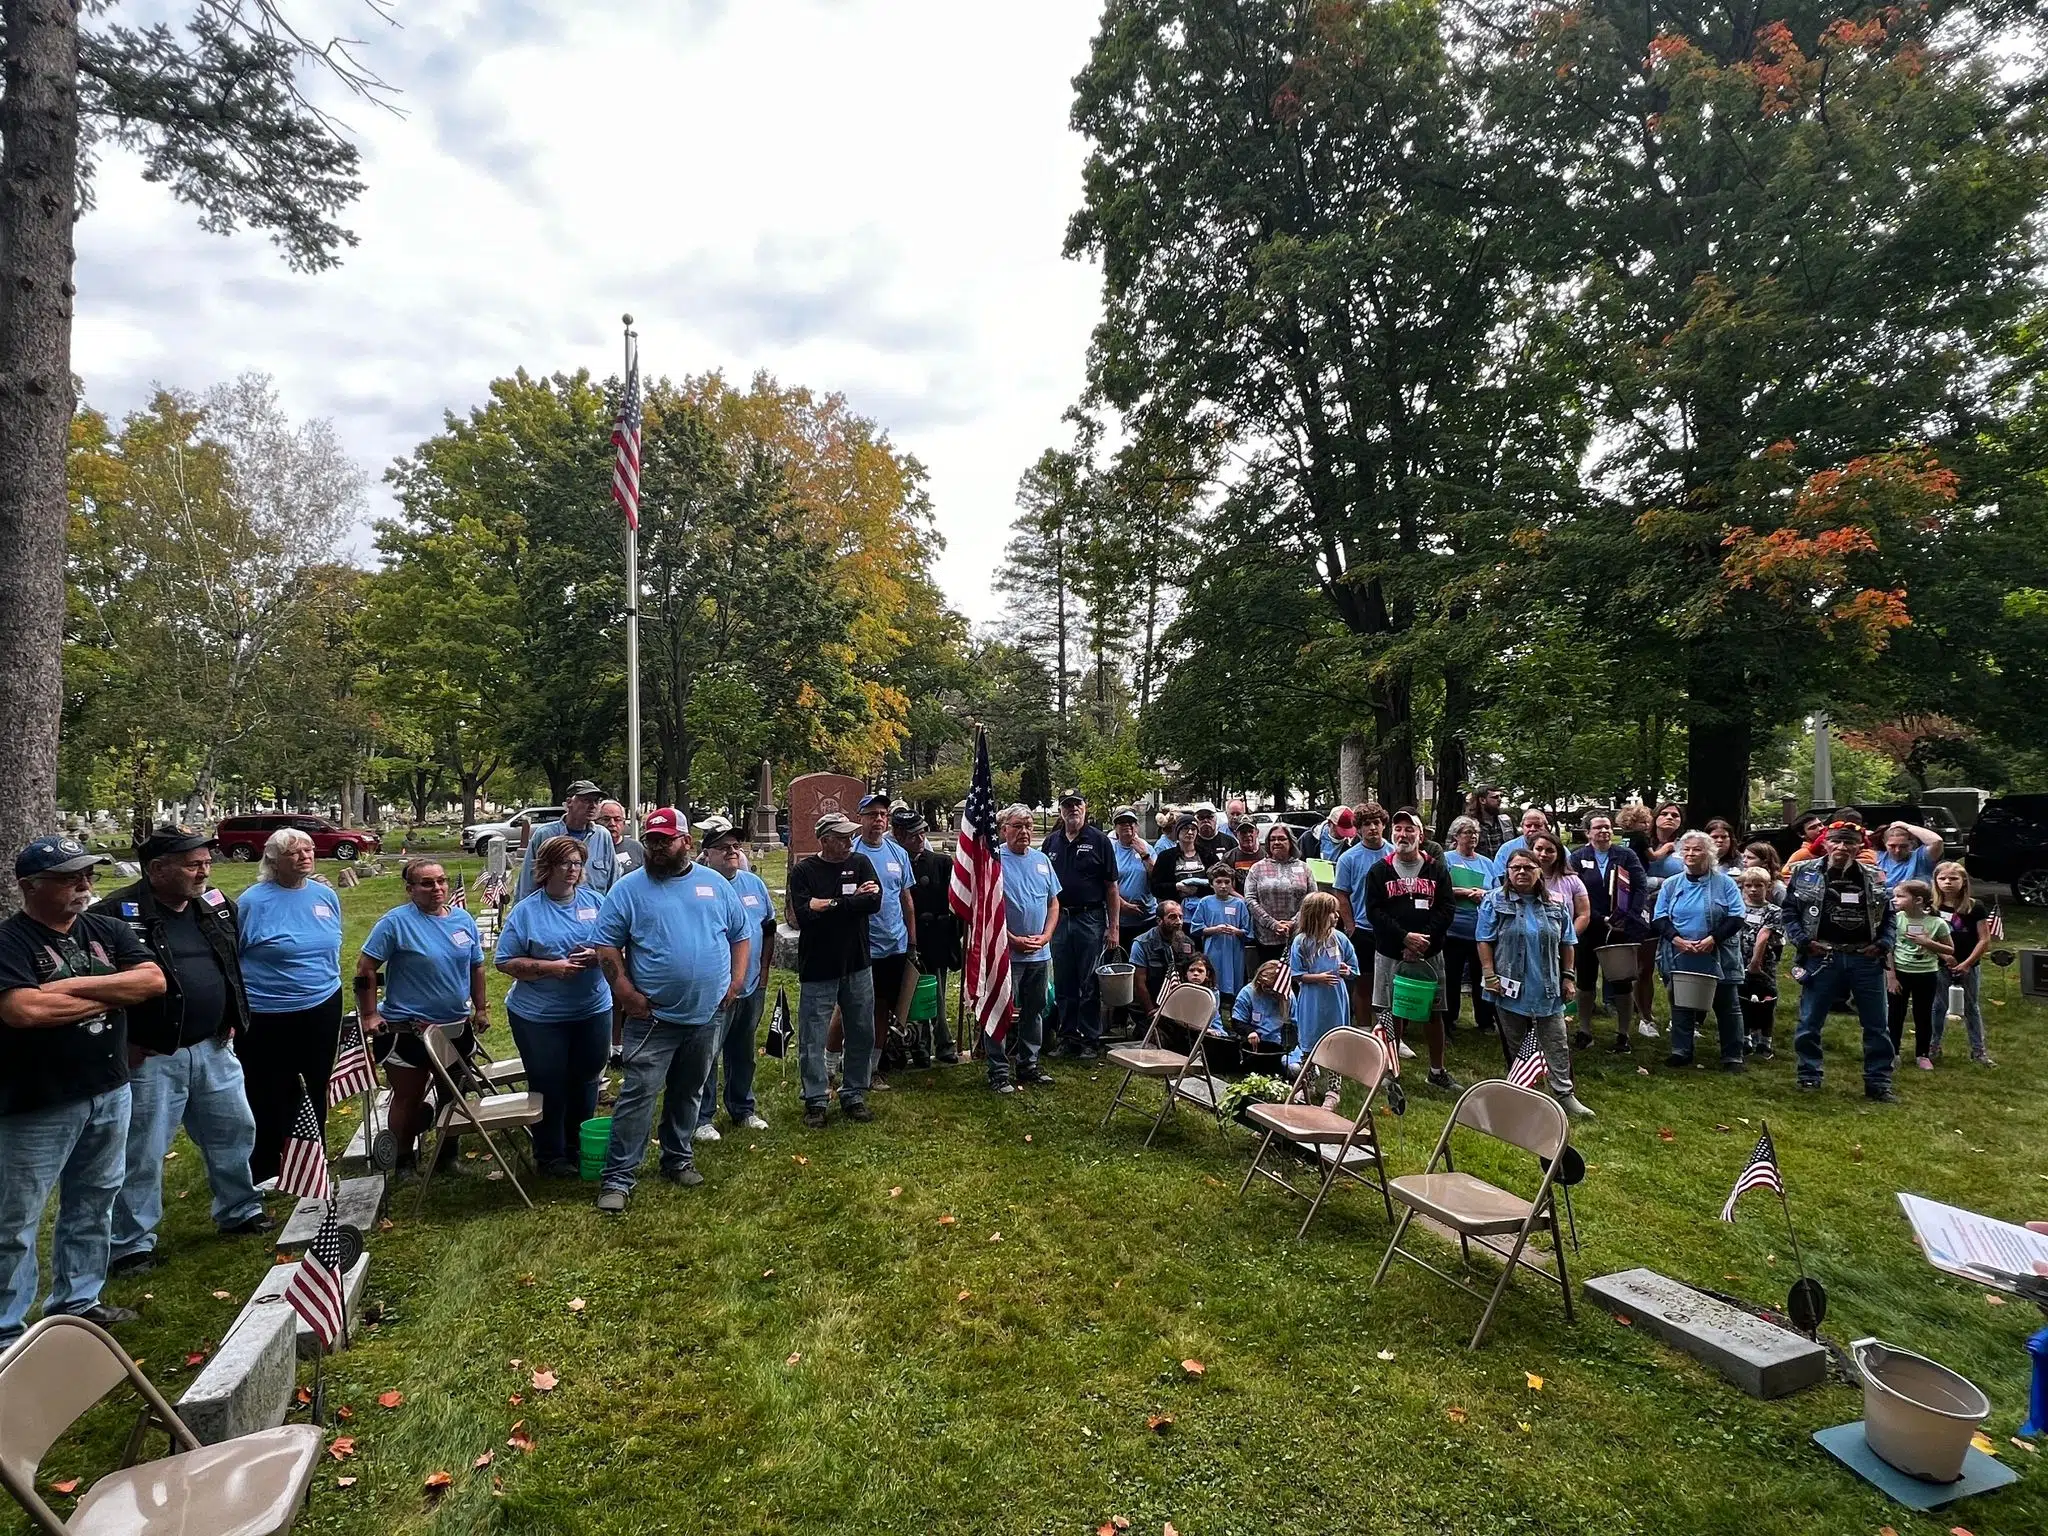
(866, 196)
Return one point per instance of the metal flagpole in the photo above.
(632, 622)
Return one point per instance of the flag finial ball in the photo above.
(627, 318)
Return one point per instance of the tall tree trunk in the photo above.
(1719, 732)
(1394, 732)
(38, 207)
(1351, 761)
(1452, 767)
(1059, 576)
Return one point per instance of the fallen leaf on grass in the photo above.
(1211, 1179)
(344, 1482)
(1722, 1128)
(1159, 1423)
(1982, 1442)
(1193, 1367)
(947, 1221)
(1386, 1354)
(1456, 1415)
(766, 1273)
(1626, 1322)
(794, 1356)
(519, 1439)
(438, 1483)
(385, 1224)
(893, 1193)
(515, 1364)
(577, 1303)
(799, 1159)
(197, 1357)
(514, 1400)
(1665, 1133)
(69, 1485)
(1523, 1426)
(1642, 1071)
(526, 1280)
(1856, 1153)
(1957, 1530)
(1535, 1381)
(543, 1381)
(344, 1412)
(1027, 1138)
(495, 1173)
(469, 1156)
(1992, 1298)
(995, 1237)
(963, 1295)
(1121, 1522)
(222, 1296)
(342, 1448)
(1885, 1530)
(483, 1461)
(390, 1399)
(303, 1396)
(2025, 1445)
(1168, 1530)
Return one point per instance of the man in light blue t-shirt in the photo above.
(1031, 900)
(579, 820)
(675, 944)
(720, 843)
(892, 931)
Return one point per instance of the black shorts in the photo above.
(888, 971)
(400, 1045)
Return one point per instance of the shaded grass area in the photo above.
(1023, 1406)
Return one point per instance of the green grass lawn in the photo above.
(806, 1343)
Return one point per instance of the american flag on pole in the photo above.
(976, 897)
(626, 439)
(303, 1172)
(1760, 1172)
(460, 900)
(315, 1288)
(1997, 924)
(1529, 1067)
(352, 1071)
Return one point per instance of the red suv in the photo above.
(242, 837)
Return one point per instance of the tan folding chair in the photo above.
(1346, 1146)
(503, 1074)
(250, 1486)
(1477, 1211)
(459, 1114)
(1184, 1074)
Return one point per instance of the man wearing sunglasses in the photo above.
(66, 978)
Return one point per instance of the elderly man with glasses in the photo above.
(181, 1046)
(580, 820)
(67, 975)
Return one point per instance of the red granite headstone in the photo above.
(811, 797)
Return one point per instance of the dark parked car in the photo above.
(1935, 818)
(242, 837)
(2009, 844)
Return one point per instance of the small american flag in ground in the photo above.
(460, 900)
(1760, 1172)
(1997, 924)
(303, 1172)
(626, 439)
(1529, 1067)
(352, 1071)
(976, 897)
(1379, 1033)
(315, 1289)
(490, 890)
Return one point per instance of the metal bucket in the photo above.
(1618, 962)
(1116, 983)
(1694, 990)
(1917, 1415)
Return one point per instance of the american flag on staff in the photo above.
(1997, 923)
(626, 439)
(976, 897)
(1283, 984)
(460, 900)
(303, 1172)
(490, 891)
(315, 1289)
(1379, 1033)
(1760, 1172)
(1529, 1067)
(352, 1070)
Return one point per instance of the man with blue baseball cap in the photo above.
(66, 978)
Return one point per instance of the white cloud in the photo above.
(857, 195)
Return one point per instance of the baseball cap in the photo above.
(666, 822)
(1124, 813)
(55, 856)
(1405, 818)
(869, 802)
(169, 839)
(1344, 821)
(1204, 808)
(712, 829)
(583, 787)
(904, 819)
(837, 822)
(1072, 797)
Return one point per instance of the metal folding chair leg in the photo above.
(1257, 1157)
(461, 1106)
(1394, 1247)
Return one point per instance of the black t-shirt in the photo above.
(1846, 921)
(201, 981)
(47, 1068)
(832, 943)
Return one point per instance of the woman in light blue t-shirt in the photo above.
(559, 1006)
(288, 941)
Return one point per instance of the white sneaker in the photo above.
(706, 1132)
(755, 1123)
(1646, 1029)
(1401, 1049)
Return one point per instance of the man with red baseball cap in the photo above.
(674, 941)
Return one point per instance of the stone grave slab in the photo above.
(247, 1384)
(1759, 1357)
(358, 1203)
(811, 797)
(269, 1297)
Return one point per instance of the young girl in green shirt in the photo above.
(1921, 945)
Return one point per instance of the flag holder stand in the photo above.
(1807, 1302)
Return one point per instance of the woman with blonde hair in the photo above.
(288, 943)
(1322, 961)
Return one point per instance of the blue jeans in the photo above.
(659, 1055)
(201, 1087)
(564, 1064)
(1829, 979)
(1727, 1016)
(742, 1020)
(854, 996)
(1019, 1050)
(1973, 1008)
(80, 1150)
(1076, 951)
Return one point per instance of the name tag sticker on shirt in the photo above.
(846, 888)
(1851, 898)
(895, 869)
(750, 901)
(586, 914)
(459, 938)
(321, 909)
(1422, 902)
(705, 891)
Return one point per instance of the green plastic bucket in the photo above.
(1414, 996)
(596, 1139)
(924, 1002)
